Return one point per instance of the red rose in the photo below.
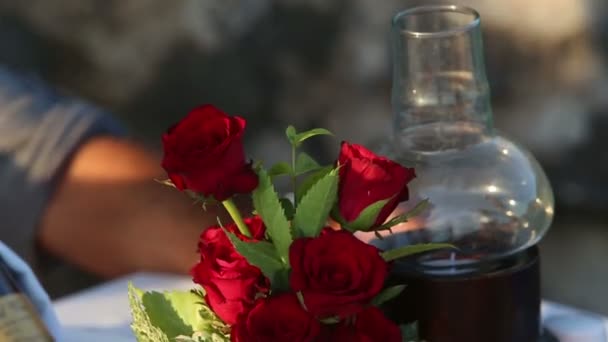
(204, 153)
(365, 179)
(213, 234)
(370, 325)
(336, 273)
(230, 282)
(278, 319)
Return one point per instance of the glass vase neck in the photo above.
(439, 72)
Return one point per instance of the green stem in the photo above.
(293, 175)
(236, 216)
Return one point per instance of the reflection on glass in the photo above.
(489, 196)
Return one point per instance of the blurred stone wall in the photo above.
(327, 63)
(319, 63)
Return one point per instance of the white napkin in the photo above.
(576, 328)
(32, 288)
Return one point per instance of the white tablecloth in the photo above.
(102, 313)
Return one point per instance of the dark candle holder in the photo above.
(500, 305)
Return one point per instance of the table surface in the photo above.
(102, 313)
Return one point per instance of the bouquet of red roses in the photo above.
(283, 273)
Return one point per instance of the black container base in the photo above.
(502, 305)
(546, 336)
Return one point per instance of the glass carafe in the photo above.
(489, 196)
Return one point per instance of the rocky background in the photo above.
(327, 63)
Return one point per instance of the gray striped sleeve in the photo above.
(39, 130)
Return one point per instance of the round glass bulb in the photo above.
(488, 196)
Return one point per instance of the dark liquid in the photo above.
(474, 252)
(502, 305)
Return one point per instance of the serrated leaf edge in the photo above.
(299, 217)
(275, 220)
(142, 327)
(272, 266)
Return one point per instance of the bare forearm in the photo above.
(111, 218)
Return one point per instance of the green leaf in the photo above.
(198, 198)
(301, 137)
(175, 313)
(141, 326)
(257, 164)
(290, 132)
(367, 217)
(313, 210)
(204, 337)
(309, 181)
(174, 316)
(420, 207)
(280, 169)
(263, 255)
(330, 320)
(266, 203)
(166, 182)
(300, 297)
(287, 208)
(387, 294)
(162, 308)
(305, 163)
(401, 252)
(409, 332)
